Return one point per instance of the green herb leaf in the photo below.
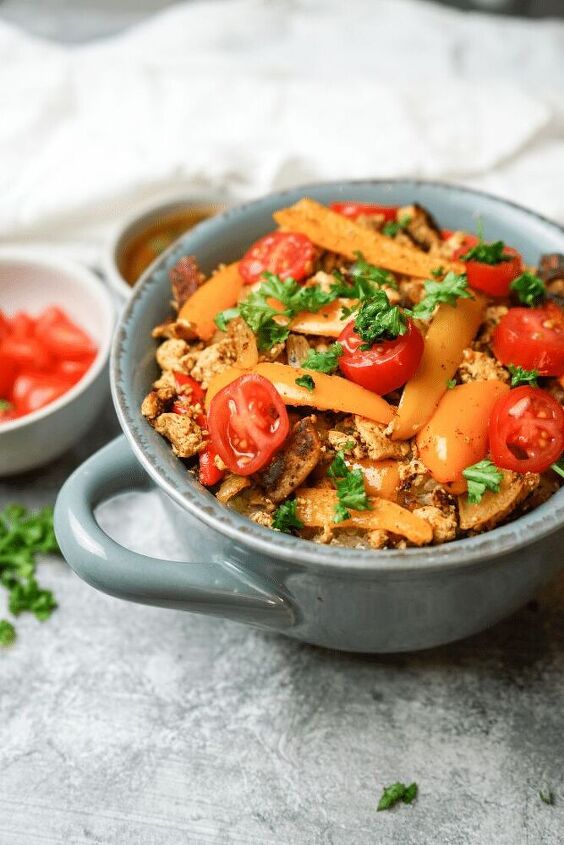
(225, 317)
(366, 278)
(453, 287)
(4, 405)
(378, 319)
(306, 381)
(437, 272)
(285, 517)
(392, 227)
(7, 633)
(350, 488)
(558, 467)
(492, 253)
(451, 383)
(522, 376)
(481, 477)
(323, 362)
(396, 792)
(529, 288)
(547, 796)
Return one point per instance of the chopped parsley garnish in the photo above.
(453, 287)
(481, 477)
(392, 227)
(451, 383)
(306, 381)
(4, 405)
(397, 792)
(558, 467)
(521, 376)
(323, 362)
(286, 518)
(225, 317)
(365, 279)
(529, 288)
(492, 253)
(7, 633)
(437, 272)
(378, 319)
(350, 488)
(24, 535)
(547, 796)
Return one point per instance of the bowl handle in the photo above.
(219, 589)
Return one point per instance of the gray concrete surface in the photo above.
(126, 725)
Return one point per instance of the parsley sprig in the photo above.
(349, 484)
(487, 253)
(286, 517)
(306, 381)
(23, 535)
(521, 376)
(481, 477)
(379, 320)
(558, 467)
(392, 227)
(453, 287)
(362, 279)
(529, 288)
(397, 792)
(323, 362)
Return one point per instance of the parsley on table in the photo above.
(323, 362)
(350, 488)
(7, 633)
(306, 381)
(453, 287)
(492, 253)
(23, 535)
(558, 467)
(481, 477)
(529, 288)
(286, 518)
(397, 792)
(547, 796)
(521, 376)
(378, 319)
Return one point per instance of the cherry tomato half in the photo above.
(247, 422)
(360, 209)
(532, 338)
(288, 254)
(526, 430)
(493, 279)
(33, 390)
(384, 367)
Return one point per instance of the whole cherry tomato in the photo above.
(386, 365)
(288, 254)
(361, 209)
(526, 430)
(532, 338)
(247, 422)
(493, 279)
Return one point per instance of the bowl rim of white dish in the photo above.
(89, 280)
(139, 219)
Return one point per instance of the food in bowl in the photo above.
(362, 377)
(157, 235)
(41, 358)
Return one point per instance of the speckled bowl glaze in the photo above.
(370, 601)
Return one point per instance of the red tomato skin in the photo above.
(197, 393)
(360, 209)
(493, 279)
(25, 352)
(523, 338)
(248, 423)
(8, 372)
(516, 418)
(288, 254)
(385, 367)
(209, 474)
(34, 390)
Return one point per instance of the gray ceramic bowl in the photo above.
(354, 600)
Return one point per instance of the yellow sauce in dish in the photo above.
(145, 246)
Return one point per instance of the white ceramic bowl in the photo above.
(133, 226)
(32, 282)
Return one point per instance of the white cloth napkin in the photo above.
(241, 97)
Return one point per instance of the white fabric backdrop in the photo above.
(245, 96)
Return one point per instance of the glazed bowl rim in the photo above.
(527, 529)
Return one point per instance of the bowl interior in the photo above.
(224, 239)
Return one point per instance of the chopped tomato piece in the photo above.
(526, 430)
(74, 370)
(493, 279)
(33, 390)
(248, 422)
(360, 209)
(288, 254)
(62, 337)
(25, 352)
(386, 365)
(532, 338)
